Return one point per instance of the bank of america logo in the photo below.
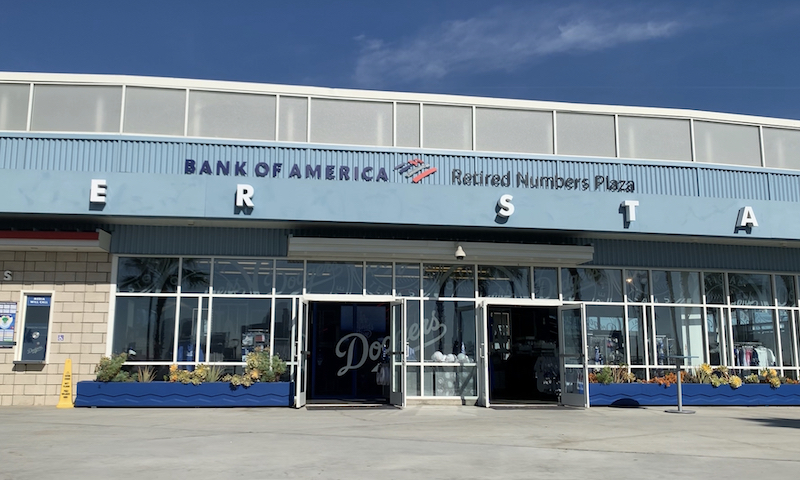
(415, 169)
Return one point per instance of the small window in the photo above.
(35, 328)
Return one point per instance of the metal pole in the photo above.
(680, 393)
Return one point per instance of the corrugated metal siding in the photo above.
(444, 165)
(72, 155)
(12, 152)
(168, 157)
(784, 188)
(152, 157)
(156, 240)
(731, 184)
(662, 180)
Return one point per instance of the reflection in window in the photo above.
(591, 284)
(505, 282)
(243, 276)
(451, 381)
(714, 326)
(637, 286)
(448, 281)
(449, 332)
(147, 275)
(636, 334)
(284, 323)
(545, 283)
(679, 332)
(785, 329)
(379, 279)
(676, 287)
(289, 277)
(334, 277)
(750, 289)
(406, 279)
(144, 328)
(192, 330)
(239, 326)
(605, 335)
(785, 291)
(754, 344)
(715, 288)
(414, 331)
(195, 275)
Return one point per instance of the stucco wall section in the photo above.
(79, 283)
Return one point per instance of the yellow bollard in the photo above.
(65, 400)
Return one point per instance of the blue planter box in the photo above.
(636, 394)
(167, 394)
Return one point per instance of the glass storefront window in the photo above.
(637, 321)
(448, 281)
(785, 331)
(679, 332)
(637, 286)
(289, 277)
(591, 285)
(754, 344)
(785, 291)
(414, 332)
(284, 326)
(195, 275)
(406, 279)
(504, 282)
(714, 324)
(238, 326)
(750, 289)
(449, 332)
(147, 275)
(243, 276)
(676, 287)
(413, 382)
(379, 279)
(451, 381)
(192, 330)
(715, 288)
(144, 328)
(545, 283)
(334, 278)
(605, 334)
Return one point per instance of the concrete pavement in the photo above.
(425, 442)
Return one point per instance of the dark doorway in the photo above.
(523, 354)
(348, 343)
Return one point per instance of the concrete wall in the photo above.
(81, 293)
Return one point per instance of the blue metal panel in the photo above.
(718, 183)
(74, 155)
(662, 180)
(784, 188)
(152, 157)
(644, 254)
(289, 156)
(158, 240)
(12, 152)
(445, 164)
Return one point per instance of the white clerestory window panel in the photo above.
(351, 122)
(76, 108)
(158, 111)
(14, 106)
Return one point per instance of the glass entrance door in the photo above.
(572, 353)
(301, 354)
(397, 356)
(483, 355)
(349, 351)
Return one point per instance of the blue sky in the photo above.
(726, 56)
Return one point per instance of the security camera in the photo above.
(460, 253)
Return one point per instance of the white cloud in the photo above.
(503, 39)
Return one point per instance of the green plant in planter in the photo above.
(110, 369)
(605, 376)
(145, 374)
(260, 366)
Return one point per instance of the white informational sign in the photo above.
(8, 316)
